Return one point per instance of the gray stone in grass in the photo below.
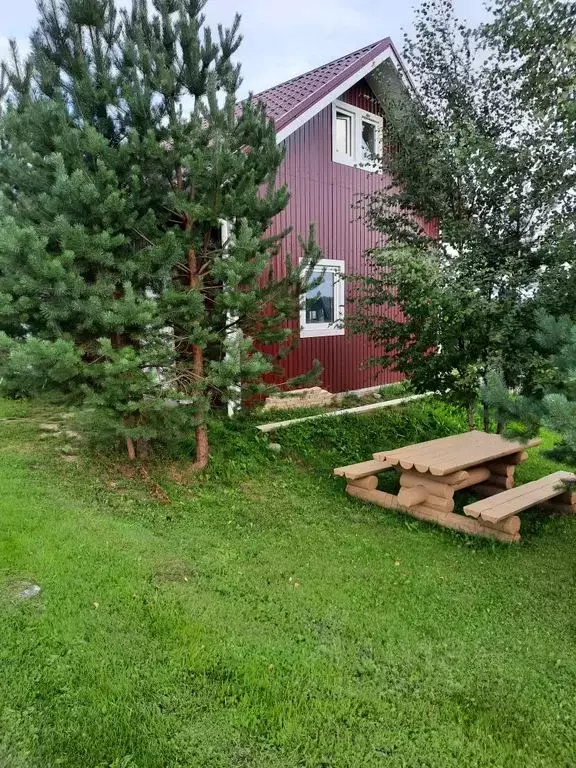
(275, 447)
(49, 427)
(32, 591)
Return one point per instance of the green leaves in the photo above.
(483, 159)
(37, 367)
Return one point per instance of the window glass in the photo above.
(343, 133)
(368, 140)
(320, 300)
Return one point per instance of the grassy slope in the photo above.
(264, 619)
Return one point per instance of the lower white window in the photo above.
(322, 307)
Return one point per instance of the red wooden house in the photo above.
(330, 121)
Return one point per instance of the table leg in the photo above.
(501, 475)
(431, 498)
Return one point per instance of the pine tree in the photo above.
(124, 155)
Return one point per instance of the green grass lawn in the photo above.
(258, 617)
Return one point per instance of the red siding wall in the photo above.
(323, 193)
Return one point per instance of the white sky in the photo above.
(281, 39)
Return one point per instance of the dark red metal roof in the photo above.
(287, 101)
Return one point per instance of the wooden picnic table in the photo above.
(450, 454)
(431, 472)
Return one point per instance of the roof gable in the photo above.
(296, 101)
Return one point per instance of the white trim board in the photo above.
(366, 390)
(342, 412)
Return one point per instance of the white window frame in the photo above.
(337, 156)
(358, 117)
(310, 330)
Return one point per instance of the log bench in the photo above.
(363, 475)
(501, 505)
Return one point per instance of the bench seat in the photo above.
(508, 503)
(363, 469)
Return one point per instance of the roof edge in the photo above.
(317, 101)
(333, 84)
(371, 46)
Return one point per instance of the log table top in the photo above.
(450, 454)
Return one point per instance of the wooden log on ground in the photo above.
(500, 468)
(509, 525)
(370, 483)
(444, 505)
(463, 524)
(424, 512)
(409, 497)
(381, 498)
(500, 481)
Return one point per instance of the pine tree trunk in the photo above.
(202, 447)
(130, 449)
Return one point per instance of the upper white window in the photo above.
(322, 307)
(356, 137)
